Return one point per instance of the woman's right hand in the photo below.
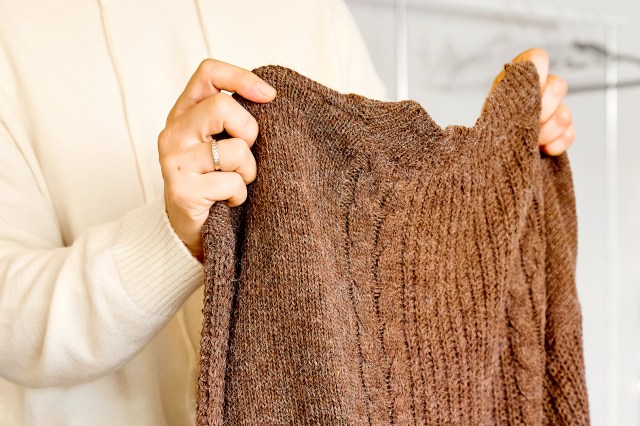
(191, 185)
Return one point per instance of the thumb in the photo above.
(540, 59)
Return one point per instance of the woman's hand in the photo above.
(191, 185)
(557, 132)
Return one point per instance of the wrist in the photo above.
(194, 244)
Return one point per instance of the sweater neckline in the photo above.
(377, 114)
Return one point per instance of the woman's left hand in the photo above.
(557, 132)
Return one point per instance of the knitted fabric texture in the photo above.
(385, 270)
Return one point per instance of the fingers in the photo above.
(552, 96)
(190, 185)
(182, 173)
(556, 125)
(211, 116)
(562, 143)
(556, 132)
(235, 156)
(212, 76)
(221, 112)
(540, 59)
(197, 192)
(218, 186)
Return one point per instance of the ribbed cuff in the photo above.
(158, 272)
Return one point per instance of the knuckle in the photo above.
(247, 120)
(207, 66)
(170, 136)
(163, 138)
(538, 52)
(239, 191)
(554, 148)
(570, 135)
(250, 128)
(237, 184)
(561, 86)
(240, 151)
(220, 104)
(557, 86)
(565, 116)
(252, 124)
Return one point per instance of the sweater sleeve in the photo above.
(69, 314)
(565, 401)
(545, 259)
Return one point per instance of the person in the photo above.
(102, 201)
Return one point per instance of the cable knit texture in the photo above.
(385, 270)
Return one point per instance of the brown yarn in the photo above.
(384, 270)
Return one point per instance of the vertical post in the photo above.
(611, 256)
(402, 48)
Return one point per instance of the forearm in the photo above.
(70, 314)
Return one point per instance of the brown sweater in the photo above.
(384, 270)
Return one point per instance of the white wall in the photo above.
(438, 44)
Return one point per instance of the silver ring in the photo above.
(216, 154)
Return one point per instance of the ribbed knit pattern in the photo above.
(386, 271)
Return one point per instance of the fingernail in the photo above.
(265, 89)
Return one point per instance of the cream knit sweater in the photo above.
(100, 303)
